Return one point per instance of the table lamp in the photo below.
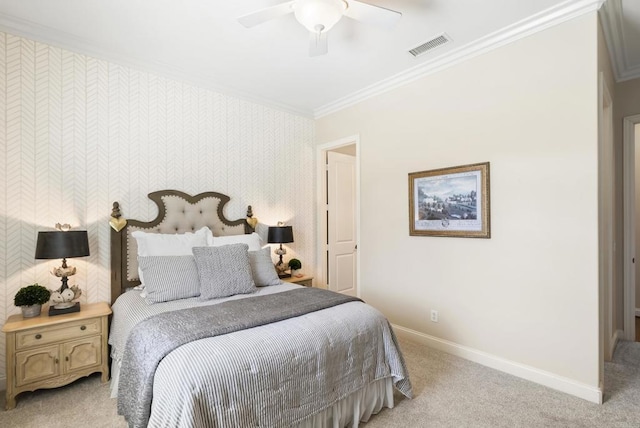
(280, 234)
(63, 245)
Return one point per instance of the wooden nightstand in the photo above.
(305, 280)
(48, 352)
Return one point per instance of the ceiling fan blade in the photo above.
(371, 14)
(318, 43)
(266, 14)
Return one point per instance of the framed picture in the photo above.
(450, 202)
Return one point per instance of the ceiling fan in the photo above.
(318, 16)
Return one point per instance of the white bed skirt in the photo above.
(350, 411)
(357, 407)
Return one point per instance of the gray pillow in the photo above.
(224, 271)
(262, 268)
(169, 277)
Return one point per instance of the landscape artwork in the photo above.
(450, 202)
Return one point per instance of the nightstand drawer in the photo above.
(305, 280)
(55, 334)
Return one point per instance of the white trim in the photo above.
(322, 226)
(628, 74)
(542, 377)
(629, 224)
(611, 17)
(555, 15)
(617, 336)
(606, 233)
(64, 40)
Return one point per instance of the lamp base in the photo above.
(284, 275)
(53, 311)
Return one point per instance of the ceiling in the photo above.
(200, 41)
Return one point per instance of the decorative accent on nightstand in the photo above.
(280, 234)
(294, 267)
(56, 245)
(48, 352)
(63, 227)
(31, 298)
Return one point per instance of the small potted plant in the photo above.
(31, 298)
(295, 265)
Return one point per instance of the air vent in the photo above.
(431, 44)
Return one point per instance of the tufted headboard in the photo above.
(178, 212)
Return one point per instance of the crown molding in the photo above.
(610, 18)
(50, 36)
(553, 16)
(628, 74)
(558, 14)
(612, 24)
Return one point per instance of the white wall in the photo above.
(614, 319)
(626, 103)
(77, 133)
(528, 297)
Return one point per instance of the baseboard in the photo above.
(638, 312)
(617, 336)
(560, 383)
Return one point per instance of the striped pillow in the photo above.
(169, 278)
(224, 271)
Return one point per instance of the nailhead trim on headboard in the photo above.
(178, 212)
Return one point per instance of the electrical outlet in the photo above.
(434, 315)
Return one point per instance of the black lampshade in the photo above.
(280, 234)
(60, 245)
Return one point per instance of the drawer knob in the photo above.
(84, 327)
(38, 336)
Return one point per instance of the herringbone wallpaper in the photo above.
(77, 133)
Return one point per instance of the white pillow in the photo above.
(253, 241)
(164, 244)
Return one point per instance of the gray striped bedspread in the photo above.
(274, 375)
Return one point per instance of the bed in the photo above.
(273, 355)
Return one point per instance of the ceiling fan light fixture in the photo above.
(319, 15)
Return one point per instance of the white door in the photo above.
(341, 223)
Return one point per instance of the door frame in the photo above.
(628, 189)
(606, 218)
(321, 175)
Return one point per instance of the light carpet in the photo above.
(449, 392)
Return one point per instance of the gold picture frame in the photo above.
(451, 202)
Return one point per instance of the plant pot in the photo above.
(296, 272)
(31, 311)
